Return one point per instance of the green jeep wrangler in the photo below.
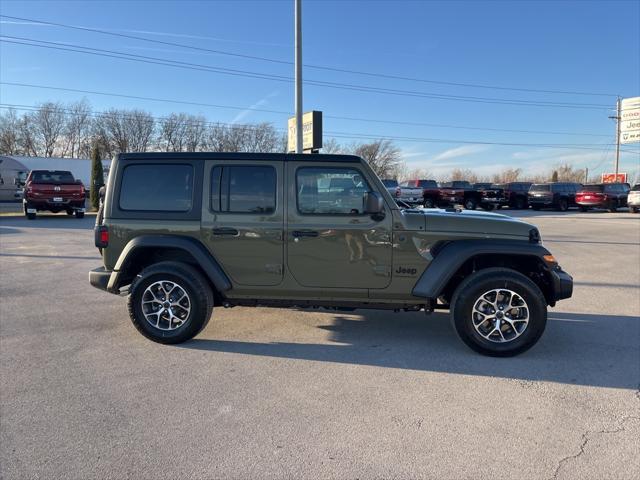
(180, 233)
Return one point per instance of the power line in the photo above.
(365, 136)
(244, 73)
(317, 67)
(281, 112)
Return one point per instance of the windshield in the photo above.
(390, 183)
(56, 176)
(540, 188)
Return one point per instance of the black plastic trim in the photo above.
(99, 278)
(191, 246)
(454, 254)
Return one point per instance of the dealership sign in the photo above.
(311, 132)
(630, 120)
(614, 178)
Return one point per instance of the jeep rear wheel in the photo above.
(170, 302)
(498, 312)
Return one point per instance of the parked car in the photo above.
(610, 196)
(54, 191)
(558, 195)
(430, 191)
(270, 233)
(459, 192)
(633, 198)
(409, 194)
(516, 193)
(490, 196)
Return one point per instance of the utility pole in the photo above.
(617, 118)
(298, 70)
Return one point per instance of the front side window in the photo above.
(243, 189)
(330, 191)
(157, 188)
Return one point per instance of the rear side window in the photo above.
(243, 189)
(157, 188)
(636, 188)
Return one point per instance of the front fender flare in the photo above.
(453, 255)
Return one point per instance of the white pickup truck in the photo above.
(410, 195)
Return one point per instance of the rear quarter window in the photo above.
(157, 188)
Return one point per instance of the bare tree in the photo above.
(506, 176)
(125, 130)
(10, 133)
(244, 138)
(77, 128)
(464, 174)
(195, 133)
(47, 123)
(172, 132)
(331, 146)
(382, 155)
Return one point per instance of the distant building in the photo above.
(79, 167)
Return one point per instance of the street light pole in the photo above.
(617, 136)
(298, 73)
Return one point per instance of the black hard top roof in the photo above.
(274, 157)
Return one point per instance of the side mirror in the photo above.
(373, 203)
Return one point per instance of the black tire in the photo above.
(191, 281)
(633, 209)
(470, 204)
(79, 214)
(488, 206)
(474, 286)
(520, 203)
(498, 207)
(428, 203)
(30, 216)
(70, 212)
(613, 206)
(536, 207)
(583, 208)
(563, 205)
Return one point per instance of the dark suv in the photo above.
(181, 233)
(515, 193)
(558, 195)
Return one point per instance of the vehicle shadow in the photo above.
(50, 221)
(583, 349)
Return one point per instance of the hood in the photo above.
(466, 223)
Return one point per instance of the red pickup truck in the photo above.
(54, 191)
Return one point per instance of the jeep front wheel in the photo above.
(170, 302)
(498, 312)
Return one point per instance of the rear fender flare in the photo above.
(193, 247)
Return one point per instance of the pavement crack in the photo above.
(586, 436)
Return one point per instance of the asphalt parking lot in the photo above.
(269, 393)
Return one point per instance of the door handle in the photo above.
(304, 233)
(225, 231)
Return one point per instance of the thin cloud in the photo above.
(244, 113)
(460, 152)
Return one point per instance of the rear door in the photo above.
(243, 219)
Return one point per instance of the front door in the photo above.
(243, 219)
(331, 242)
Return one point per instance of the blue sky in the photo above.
(584, 46)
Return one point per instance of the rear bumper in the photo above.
(99, 278)
(47, 204)
(562, 284)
